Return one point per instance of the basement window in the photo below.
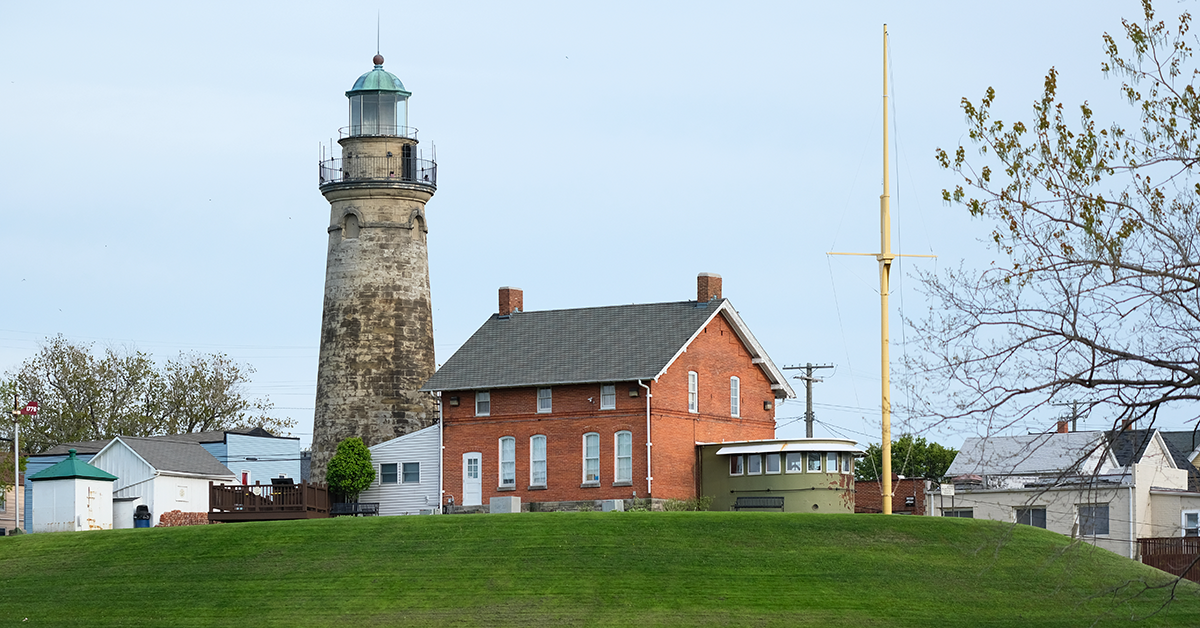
(1035, 517)
(964, 513)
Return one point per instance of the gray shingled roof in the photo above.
(1181, 445)
(554, 347)
(1129, 445)
(1033, 454)
(94, 446)
(177, 456)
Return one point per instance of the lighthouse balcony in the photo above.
(365, 169)
(371, 129)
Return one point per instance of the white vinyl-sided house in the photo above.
(407, 473)
(165, 474)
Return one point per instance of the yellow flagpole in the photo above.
(885, 269)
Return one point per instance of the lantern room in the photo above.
(379, 104)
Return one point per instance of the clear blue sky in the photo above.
(161, 180)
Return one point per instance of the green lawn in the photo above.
(548, 569)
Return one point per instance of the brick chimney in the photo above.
(1064, 426)
(708, 287)
(511, 300)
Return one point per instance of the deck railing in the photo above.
(379, 169)
(1178, 556)
(268, 499)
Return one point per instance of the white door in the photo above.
(472, 484)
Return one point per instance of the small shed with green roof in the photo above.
(71, 496)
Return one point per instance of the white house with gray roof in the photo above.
(165, 474)
(1108, 489)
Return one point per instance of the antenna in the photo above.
(377, 20)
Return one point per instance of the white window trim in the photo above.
(693, 392)
(834, 467)
(741, 465)
(379, 472)
(483, 395)
(500, 467)
(735, 397)
(761, 465)
(617, 457)
(779, 458)
(533, 461)
(549, 401)
(808, 462)
(1183, 521)
(613, 406)
(597, 459)
(400, 472)
(784, 462)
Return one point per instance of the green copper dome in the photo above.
(378, 80)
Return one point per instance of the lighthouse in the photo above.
(377, 322)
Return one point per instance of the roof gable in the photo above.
(586, 345)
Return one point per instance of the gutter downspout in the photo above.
(1132, 495)
(649, 475)
(441, 494)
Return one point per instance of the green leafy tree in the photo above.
(912, 457)
(8, 390)
(1097, 294)
(350, 471)
(84, 396)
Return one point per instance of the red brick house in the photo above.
(603, 402)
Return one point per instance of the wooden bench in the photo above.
(758, 503)
(359, 509)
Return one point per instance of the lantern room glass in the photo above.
(378, 113)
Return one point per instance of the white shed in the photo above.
(167, 474)
(71, 496)
(407, 473)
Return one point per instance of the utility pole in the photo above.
(808, 395)
(1075, 414)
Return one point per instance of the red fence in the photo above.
(1178, 556)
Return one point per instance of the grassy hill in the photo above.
(695, 569)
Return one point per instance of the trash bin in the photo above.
(141, 516)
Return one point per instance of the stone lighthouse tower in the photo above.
(377, 324)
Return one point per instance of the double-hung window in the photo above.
(591, 458)
(1191, 523)
(735, 397)
(693, 392)
(537, 461)
(543, 400)
(387, 473)
(1093, 519)
(508, 462)
(411, 473)
(624, 457)
(608, 397)
(483, 403)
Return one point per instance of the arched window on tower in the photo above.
(350, 226)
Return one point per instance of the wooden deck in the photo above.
(266, 502)
(1178, 556)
